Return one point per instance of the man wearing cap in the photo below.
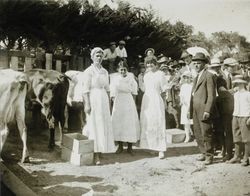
(109, 57)
(227, 70)
(202, 108)
(245, 66)
(121, 50)
(224, 105)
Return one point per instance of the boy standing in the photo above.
(241, 122)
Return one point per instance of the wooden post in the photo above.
(59, 65)
(28, 64)
(14, 63)
(4, 62)
(80, 63)
(48, 64)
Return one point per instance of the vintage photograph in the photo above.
(125, 97)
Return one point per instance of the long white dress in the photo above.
(185, 97)
(98, 126)
(125, 121)
(153, 112)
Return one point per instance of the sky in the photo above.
(207, 16)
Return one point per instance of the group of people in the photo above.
(212, 95)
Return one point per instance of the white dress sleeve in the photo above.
(87, 80)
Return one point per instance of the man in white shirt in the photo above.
(109, 56)
(121, 50)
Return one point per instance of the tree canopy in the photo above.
(75, 24)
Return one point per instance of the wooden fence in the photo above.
(26, 60)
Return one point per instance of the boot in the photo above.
(236, 158)
(130, 150)
(97, 159)
(120, 148)
(245, 161)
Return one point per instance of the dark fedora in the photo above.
(200, 57)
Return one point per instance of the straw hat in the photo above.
(230, 62)
(215, 62)
(239, 81)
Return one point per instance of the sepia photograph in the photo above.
(124, 97)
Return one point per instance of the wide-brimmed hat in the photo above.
(150, 49)
(185, 54)
(215, 62)
(122, 42)
(230, 62)
(244, 58)
(238, 76)
(239, 81)
(200, 57)
(163, 59)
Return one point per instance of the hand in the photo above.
(248, 122)
(87, 109)
(206, 116)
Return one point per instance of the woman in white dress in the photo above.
(125, 121)
(185, 97)
(153, 109)
(98, 122)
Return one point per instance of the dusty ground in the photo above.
(142, 174)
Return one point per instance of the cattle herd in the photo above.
(48, 88)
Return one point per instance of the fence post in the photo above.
(4, 62)
(14, 63)
(28, 64)
(59, 65)
(48, 64)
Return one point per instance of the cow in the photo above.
(75, 96)
(13, 90)
(49, 88)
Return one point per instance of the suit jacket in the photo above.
(227, 79)
(204, 95)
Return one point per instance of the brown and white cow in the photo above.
(13, 89)
(49, 88)
(75, 95)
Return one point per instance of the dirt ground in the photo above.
(143, 174)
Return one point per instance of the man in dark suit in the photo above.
(202, 108)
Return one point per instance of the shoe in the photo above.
(120, 149)
(130, 151)
(161, 155)
(245, 162)
(209, 160)
(227, 158)
(235, 159)
(201, 158)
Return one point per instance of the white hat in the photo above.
(215, 62)
(230, 62)
(240, 81)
